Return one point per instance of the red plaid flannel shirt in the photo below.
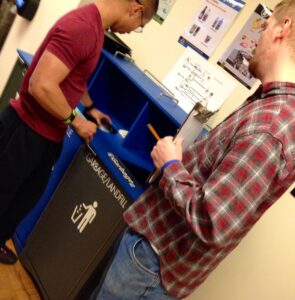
(203, 206)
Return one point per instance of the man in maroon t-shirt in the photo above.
(33, 126)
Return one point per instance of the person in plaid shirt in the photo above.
(210, 196)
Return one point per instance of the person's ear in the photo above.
(136, 9)
(285, 29)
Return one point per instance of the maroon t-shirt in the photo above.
(77, 40)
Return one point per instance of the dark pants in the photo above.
(26, 161)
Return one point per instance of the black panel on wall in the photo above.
(27, 8)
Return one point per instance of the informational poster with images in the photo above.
(163, 10)
(195, 80)
(208, 26)
(237, 57)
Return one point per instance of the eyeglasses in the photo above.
(140, 28)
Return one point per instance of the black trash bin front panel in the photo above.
(70, 237)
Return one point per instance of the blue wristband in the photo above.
(169, 162)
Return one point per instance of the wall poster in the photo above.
(237, 57)
(209, 25)
(195, 80)
(163, 10)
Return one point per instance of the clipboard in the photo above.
(190, 131)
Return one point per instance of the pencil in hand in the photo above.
(153, 131)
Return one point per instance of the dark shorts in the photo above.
(26, 161)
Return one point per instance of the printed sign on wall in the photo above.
(163, 10)
(195, 80)
(208, 26)
(237, 57)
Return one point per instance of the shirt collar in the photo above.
(270, 89)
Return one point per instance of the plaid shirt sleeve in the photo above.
(219, 210)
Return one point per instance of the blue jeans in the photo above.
(133, 274)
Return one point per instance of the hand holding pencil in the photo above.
(166, 149)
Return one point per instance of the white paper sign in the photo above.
(194, 79)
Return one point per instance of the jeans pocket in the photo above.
(144, 257)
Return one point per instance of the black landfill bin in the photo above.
(72, 241)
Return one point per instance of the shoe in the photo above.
(7, 256)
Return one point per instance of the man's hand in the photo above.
(84, 128)
(98, 116)
(166, 149)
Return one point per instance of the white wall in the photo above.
(262, 267)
